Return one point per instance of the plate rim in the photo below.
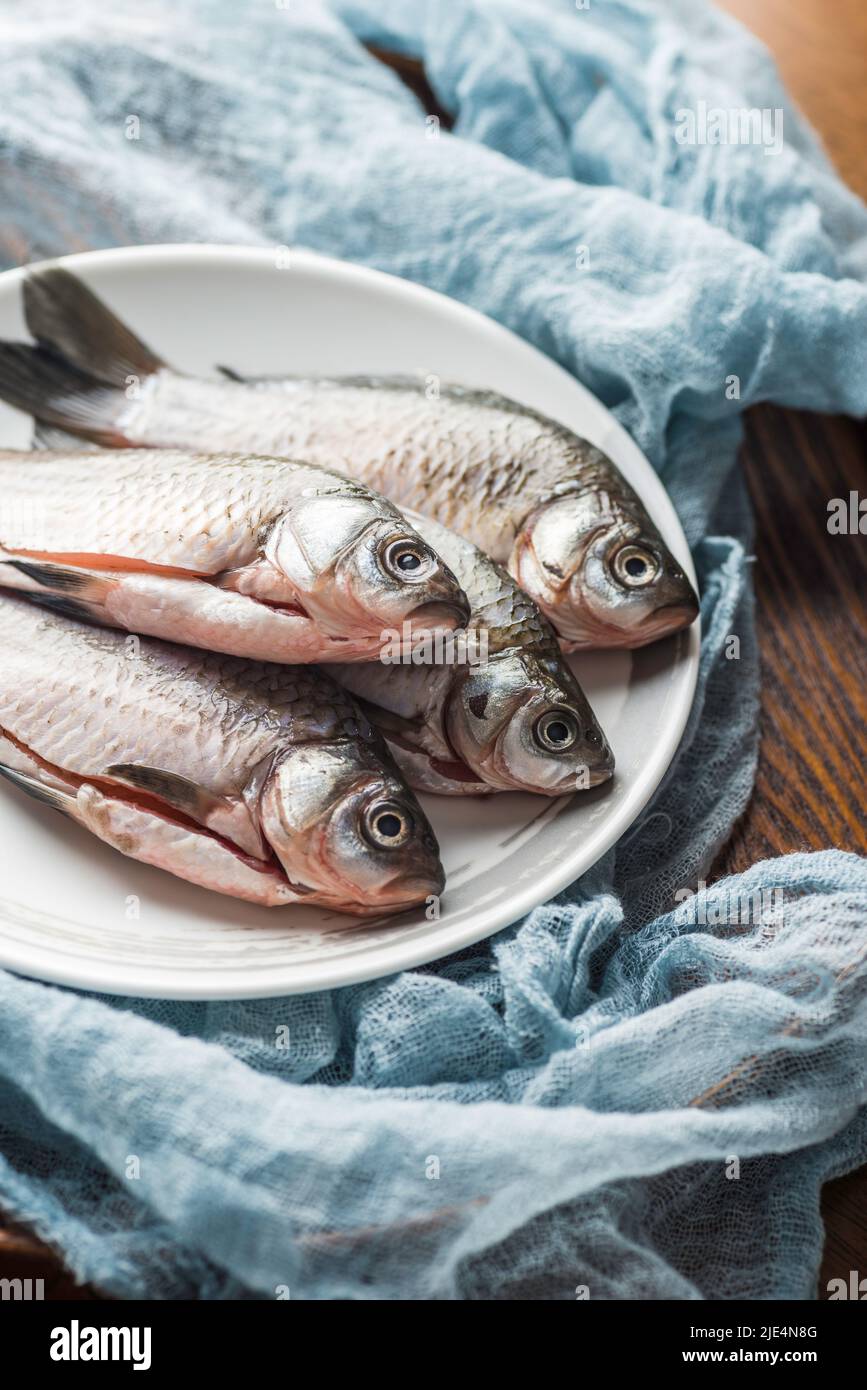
(388, 958)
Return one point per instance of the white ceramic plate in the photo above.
(76, 912)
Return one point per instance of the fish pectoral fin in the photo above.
(422, 752)
(227, 816)
(58, 578)
(55, 603)
(198, 857)
(262, 582)
(142, 833)
(74, 593)
(398, 727)
(416, 734)
(94, 563)
(55, 797)
(178, 791)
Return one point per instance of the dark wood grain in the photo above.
(811, 596)
(811, 592)
(813, 662)
(24, 1257)
(811, 587)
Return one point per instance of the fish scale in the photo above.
(218, 509)
(253, 780)
(204, 717)
(257, 557)
(399, 442)
(537, 497)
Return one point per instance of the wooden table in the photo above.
(811, 588)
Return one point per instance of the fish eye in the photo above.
(556, 731)
(408, 559)
(387, 825)
(634, 566)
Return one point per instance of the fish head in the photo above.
(347, 830)
(356, 565)
(603, 576)
(523, 723)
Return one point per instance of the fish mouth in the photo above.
(497, 776)
(400, 896)
(602, 763)
(666, 620)
(440, 613)
(571, 781)
(404, 892)
(602, 774)
(413, 892)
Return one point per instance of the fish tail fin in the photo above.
(58, 394)
(85, 365)
(48, 437)
(68, 319)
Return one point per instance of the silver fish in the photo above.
(527, 490)
(265, 782)
(256, 557)
(517, 720)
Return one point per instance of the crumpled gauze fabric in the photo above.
(625, 1095)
